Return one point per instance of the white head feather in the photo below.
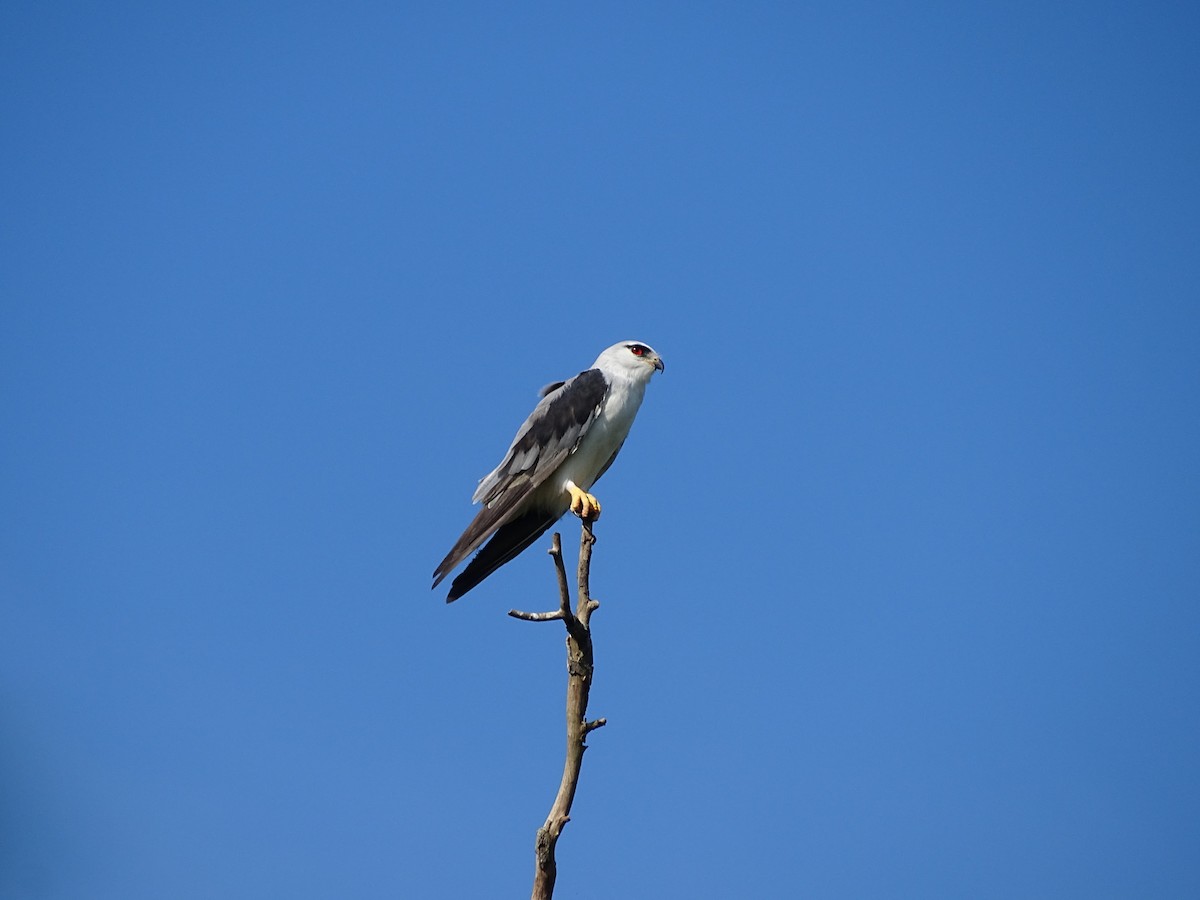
(630, 359)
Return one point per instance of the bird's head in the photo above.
(632, 358)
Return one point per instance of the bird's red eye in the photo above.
(637, 349)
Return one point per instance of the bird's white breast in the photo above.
(604, 437)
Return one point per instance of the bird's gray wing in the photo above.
(550, 434)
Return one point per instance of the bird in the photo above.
(569, 440)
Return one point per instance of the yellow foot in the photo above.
(583, 504)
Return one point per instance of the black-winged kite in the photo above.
(569, 440)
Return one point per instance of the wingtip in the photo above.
(439, 576)
(457, 589)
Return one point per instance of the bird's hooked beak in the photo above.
(657, 362)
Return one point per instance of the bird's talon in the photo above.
(583, 504)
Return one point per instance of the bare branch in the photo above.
(579, 683)
(564, 592)
(551, 616)
(583, 606)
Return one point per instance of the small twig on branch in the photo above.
(560, 569)
(551, 616)
(579, 683)
(564, 593)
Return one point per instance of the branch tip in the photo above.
(536, 616)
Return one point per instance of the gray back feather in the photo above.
(550, 434)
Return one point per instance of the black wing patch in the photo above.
(570, 407)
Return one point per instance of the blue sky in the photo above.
(899, 567)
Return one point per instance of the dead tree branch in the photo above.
(579, 684)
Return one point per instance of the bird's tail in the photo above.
(505, 544)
